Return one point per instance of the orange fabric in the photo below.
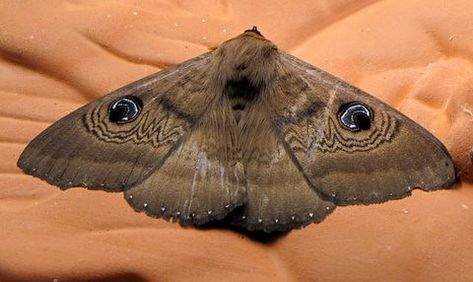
(56, 56)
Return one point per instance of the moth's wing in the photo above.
(201, 180)
(383, 162)
(86, 149)
(279, 196)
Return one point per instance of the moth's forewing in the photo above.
(86, 148)
(382, 162)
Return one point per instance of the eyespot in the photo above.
(355, 116)
(125, 109)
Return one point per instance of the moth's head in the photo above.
(254, 32)
(251, 38)
(248, 56)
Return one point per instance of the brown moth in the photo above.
(245, 131)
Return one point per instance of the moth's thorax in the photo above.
(243, 67)
(248, 56)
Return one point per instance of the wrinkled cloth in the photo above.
(58, 55)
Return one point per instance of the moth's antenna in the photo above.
(255, 30)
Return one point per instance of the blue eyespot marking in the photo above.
(125, 109)
(355, 116)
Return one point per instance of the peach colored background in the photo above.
(57, 55)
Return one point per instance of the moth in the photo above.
(245, 132)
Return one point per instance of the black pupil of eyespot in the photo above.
(124, 110)
(362, 120)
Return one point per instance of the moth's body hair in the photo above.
(246, 58)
